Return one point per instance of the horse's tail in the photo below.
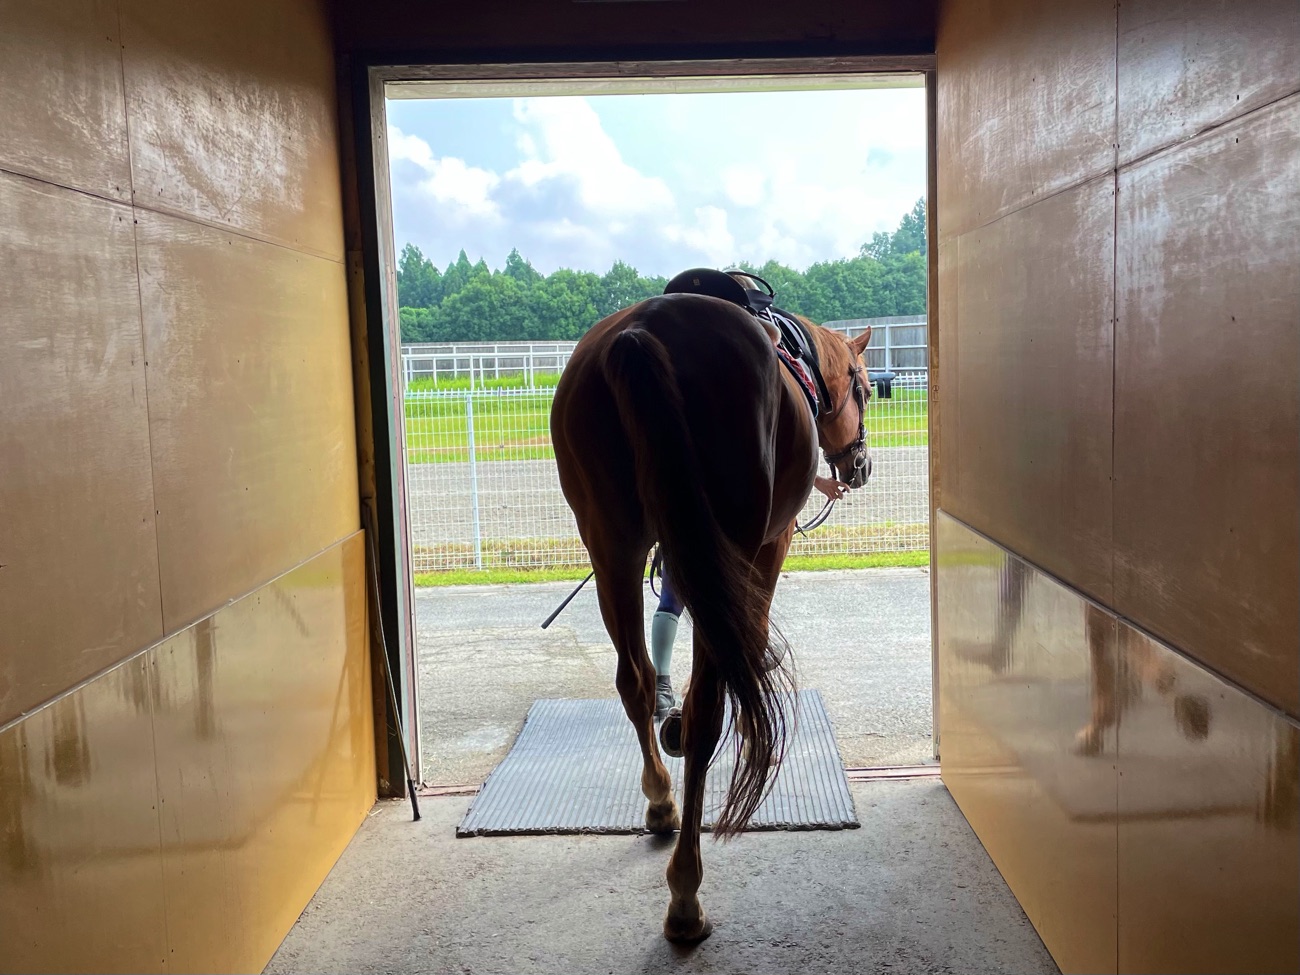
(709, 572)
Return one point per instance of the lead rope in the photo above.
(818, 521)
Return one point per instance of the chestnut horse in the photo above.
(675, 422)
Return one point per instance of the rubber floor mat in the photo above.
(576, 768)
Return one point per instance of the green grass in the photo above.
(879, 560)
(545, 380)
(517, 426)
(497, 577)
(795, 563)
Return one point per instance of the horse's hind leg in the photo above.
(686, 921)
(618, 586)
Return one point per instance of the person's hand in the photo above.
(833, 489)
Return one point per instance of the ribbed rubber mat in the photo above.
(576, 768)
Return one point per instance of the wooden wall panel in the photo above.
(265, 758)
(61, 75)
(1033, 375)
(1026, 104)
(233, 117)
(1020, 660)
(78, 560)
(178, 812)
(80, 863)
(1187, 65)
(1207, 400)
(946, 329)
(1209, 824)
(250, 400)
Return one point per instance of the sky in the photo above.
(662, 182)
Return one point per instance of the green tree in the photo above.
(418, 324)
(622, 285)
(879, 247)
(567, 302)
(419, 285)
(456, 276)
(520, 269)
(489, 309)
(910, 236)
(904, 285)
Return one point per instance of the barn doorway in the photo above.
(521, 213)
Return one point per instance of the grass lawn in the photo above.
(795, 563)
(513, 423)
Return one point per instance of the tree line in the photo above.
(474, 303)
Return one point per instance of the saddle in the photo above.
(800, 354)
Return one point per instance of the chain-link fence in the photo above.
(484, 492)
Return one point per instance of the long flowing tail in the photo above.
(710, 574)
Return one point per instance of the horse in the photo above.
(674, 422)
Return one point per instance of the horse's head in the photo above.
(841, 427)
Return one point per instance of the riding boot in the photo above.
(663, 633)
(665, 700)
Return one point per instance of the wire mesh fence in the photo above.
(484, 492)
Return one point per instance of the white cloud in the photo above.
(744, 184)
(709, 236)
(563, 140)
(662, 183)
(466, 191)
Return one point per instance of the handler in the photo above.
(663, 625)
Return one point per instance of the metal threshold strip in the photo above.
(871, 773)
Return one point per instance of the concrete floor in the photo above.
(911, 891)
(861, 637)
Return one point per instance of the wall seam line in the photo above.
(1175, 144)
(1020, 208)
(1168, 147)
(1278, 712)
(1114, 359)
(153, 497)
(117, 664)
(173, 214)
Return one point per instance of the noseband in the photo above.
(860, 392)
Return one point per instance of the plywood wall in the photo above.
(181, 578)
(1119, 333)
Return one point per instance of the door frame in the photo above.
(369, 83)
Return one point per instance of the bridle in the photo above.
(861, 392)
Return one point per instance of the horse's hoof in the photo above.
(687, 931)
(663, 819)
(670, 733)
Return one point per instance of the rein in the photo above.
(818, 520)
(859, 392)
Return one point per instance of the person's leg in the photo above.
(663, 633)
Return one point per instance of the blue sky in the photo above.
(661, 181)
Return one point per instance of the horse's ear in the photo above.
(859, 343)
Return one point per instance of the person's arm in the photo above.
(833, 489)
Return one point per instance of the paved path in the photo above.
(861, 637)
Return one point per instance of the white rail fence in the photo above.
(896, 344)
(483, 490)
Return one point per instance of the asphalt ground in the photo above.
(861, 637)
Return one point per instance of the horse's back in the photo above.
(746, 429)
